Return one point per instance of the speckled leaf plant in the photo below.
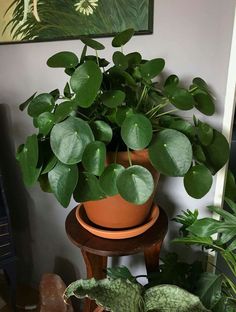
(116, 106)
(120, 295)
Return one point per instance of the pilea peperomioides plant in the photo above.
(119, 106)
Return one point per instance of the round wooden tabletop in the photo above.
(112, 247)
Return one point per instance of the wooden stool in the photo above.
(95, 250)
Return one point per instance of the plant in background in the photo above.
(121, 292)
(217, 292)
(118, 106)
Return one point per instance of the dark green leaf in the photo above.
(120, 60)
(179, 97)
(55, 94)
(40, 104)
(194, 240)
(94, 157)
(67, 92)
(134, 59)
(63, 179)
(199, 153)
(63, 59)
(198, 181)
(50, 164)
(27, 155)
(205, 133)
(83, 54)
(109, 177)
(201, 84)
(45, 122)
(44, 183)
(171, 153)
(102, 131)
(63, 110)
(121, 114)
(120, 272)
(69, 138)
(136, 131)
(135, 184)
(217, 152)
(230, 188)
(182, 126)
(122, 38)
(26, 103)
(172, 80)
(152, 68)
(204, 227)
(86, 77)
(92, 43)
(88, 188)
(204, 102)
(113, 98)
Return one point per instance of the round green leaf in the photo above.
(63, 110)
(23, 105)
(94, 157)
(113, 98)
(183, 126)
(63, 179)
(204, 102)
(102, 131)
(88, 188)
(134, 59)
(135, 184)
(122, 38)
(92, 43)
(198, 181)
(40, 104)
(205, 133)
(171, 153)
(172, 80)
(85, 82)
(201, 83)
(28, 155)
(217, 152)
(109, 177)
(180, 98)
(45, 122)
(152, 68)
(69, 138)
(136, 131)
(120, 60)
(122, 113)
(63, 59)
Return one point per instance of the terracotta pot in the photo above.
(114, 211)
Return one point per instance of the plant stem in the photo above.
(168, 112)
(129, 158)
(142, 96)
(97, 57)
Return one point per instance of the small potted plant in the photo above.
(116, 126)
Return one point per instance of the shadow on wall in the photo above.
(18, 199)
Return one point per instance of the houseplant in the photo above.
(119, 108)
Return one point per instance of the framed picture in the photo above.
(47, 20)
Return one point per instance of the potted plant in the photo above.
(114, 129)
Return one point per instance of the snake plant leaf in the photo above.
(136, 131)
(172, 80)
(94, 44)
(135, 184)
(152, 68)
(42, 103)
(88, 188)
(45, 122)
(85, 82)
(94, 157)
(198, 181)
(63, 179)
(63, 110)
(108, 179)
(205, 133)
(171, 153)
(28, 155)
(180, 97)
(217, 152)
(120, 60)
(26, 103)
(63, 59)
(102, 131)
(69, 138)
(115, 295)
(209, 289)
(122, 38)
(204, 102)
(166, 298)
(113, 98)
(134, 59)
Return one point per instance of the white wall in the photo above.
(194, 37)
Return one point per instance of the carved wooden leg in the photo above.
(95, 266)
(152, 255)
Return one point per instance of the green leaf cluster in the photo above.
(119, 107)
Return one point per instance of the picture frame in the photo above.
(23, 21)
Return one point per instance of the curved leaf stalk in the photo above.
(168, 112)
(129, 158)
(144, 93)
